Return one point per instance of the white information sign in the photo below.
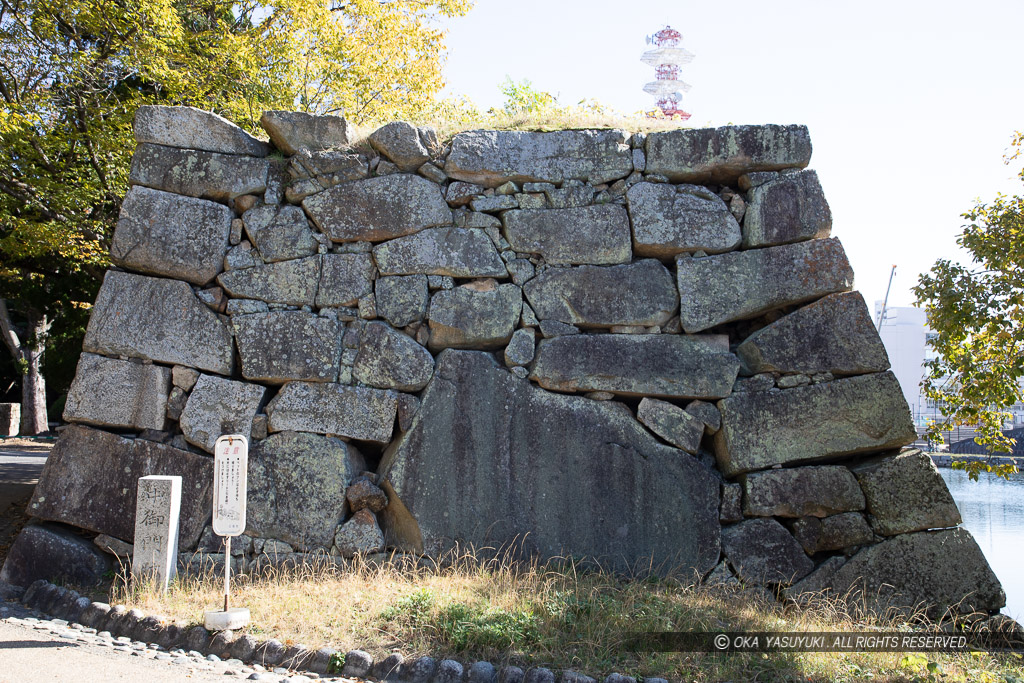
(230, 473)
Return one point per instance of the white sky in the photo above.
(910, 105)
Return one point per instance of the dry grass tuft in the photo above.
(561, 614)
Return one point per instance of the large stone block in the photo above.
(721, 155)
(378, 209)
(118, 393)
(192, 128)
(344, 279)
(287, 282)
(388, 359)
(597, 235)
(669, 220)
(494, 461)
(279, 232)
(286, 345)
(745, 284)
(293, 131)
(801, 491)
(194, 173)
(402, 299)
(834, 334)
(400, 142)
(492, 157)
(933, 571)
(638, 365)
(91, 478)
(53, 553)
(905, 492)
(763, 552)
(791, 208)
(855, 415)
(219, 406)
(356, 412)
(836, 532)
(455, 252)
(641, 293)
(159, 320)
(297, 484)
(166, 234)
(474, 316)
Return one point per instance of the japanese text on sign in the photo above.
(230, 472)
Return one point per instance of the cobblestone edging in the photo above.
(69, 615)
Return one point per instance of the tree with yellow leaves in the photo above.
(72, 74)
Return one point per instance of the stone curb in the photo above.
(70, 606)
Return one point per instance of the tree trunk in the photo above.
(28, 355)
(33, 385)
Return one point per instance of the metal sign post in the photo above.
(230, 476)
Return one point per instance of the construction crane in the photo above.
(885, 302)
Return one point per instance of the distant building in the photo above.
(905, 334)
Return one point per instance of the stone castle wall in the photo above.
(640, 348)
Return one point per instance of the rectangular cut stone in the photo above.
(493, 157)
(801, 491)
(160, 320)
(638, 365)
(287, 345)
(10, 419)
(286, 282)
(219, 406)
(597, 235)
(846, 416)
(456, 252)
(834, 334)
(669, 220)
(165, 234)
(640, 293)
(279, 233)
(157, 508)
(378, 208)
(91, 478)
(791, 208)
(294, 131)
(344, 279)
(471, 317)
(193, 173)
(193, 128)
(744, 284)
(355, 412)
(722, 155)
(118, 393)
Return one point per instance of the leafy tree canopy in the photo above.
(977, 313)
(73, 72)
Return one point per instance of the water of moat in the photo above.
(993, 511)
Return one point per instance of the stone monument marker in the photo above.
(156, 529)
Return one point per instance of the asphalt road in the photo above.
(19, 472)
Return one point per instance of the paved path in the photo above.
(19, 471)
(20, 464)
(37, 648)
(28, 653)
